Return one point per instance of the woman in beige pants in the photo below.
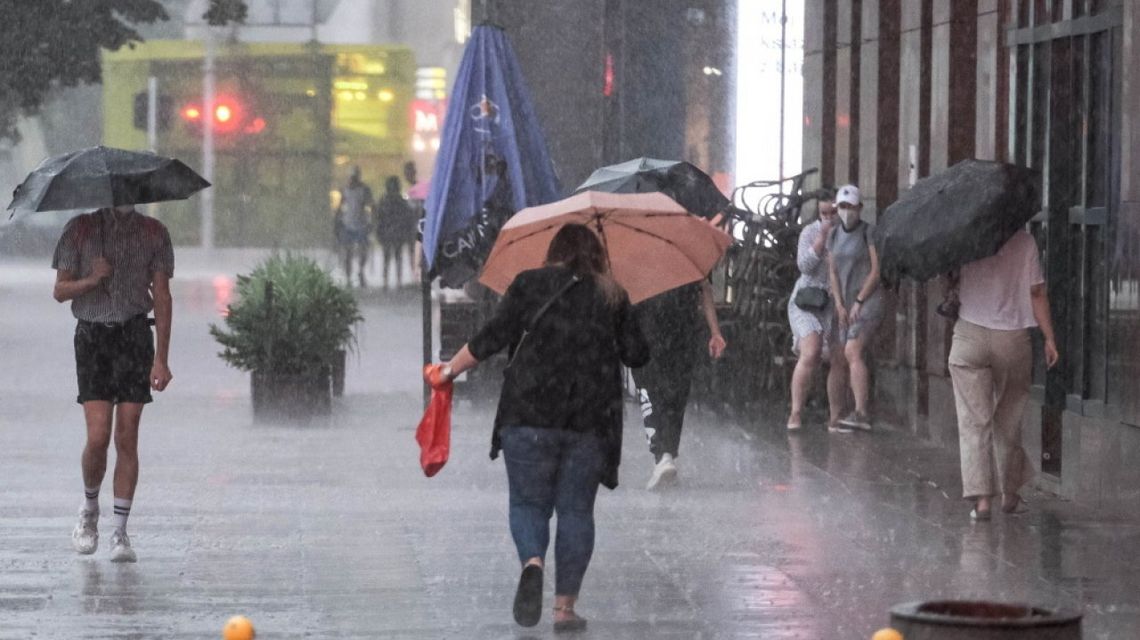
(1001, 298)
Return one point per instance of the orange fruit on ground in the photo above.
(238, 628)
(887, 634)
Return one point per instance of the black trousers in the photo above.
(663, 391)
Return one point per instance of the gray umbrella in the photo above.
(959, 215)
(687, 185)
(101, 177)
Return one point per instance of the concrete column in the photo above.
(843, 87)
(910, 94)
(813, 87)
(912, 106)
(869, 100)
(940, 62)
(990, 69)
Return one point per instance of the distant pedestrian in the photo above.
(854, 272)
(395, 228)
(354, 225)
(672, 322)
(417, 194)
(1000, 299)
(115, 265)
(810, 312)
(570, 327)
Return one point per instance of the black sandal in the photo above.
(577, 623)
(528, 597)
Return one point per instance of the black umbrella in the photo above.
(684, 183)
(104, 177)
(959, 215)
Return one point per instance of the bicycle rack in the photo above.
(760, 272)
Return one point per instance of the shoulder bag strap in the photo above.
(554, 298)
(538, 314)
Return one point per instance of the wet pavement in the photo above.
(331, 531)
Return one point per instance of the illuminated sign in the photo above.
(427, 116)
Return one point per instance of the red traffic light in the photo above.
(229, 116)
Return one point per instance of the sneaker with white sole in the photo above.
(857, 421)
(85, 536)
(664, 472)
(121, 550)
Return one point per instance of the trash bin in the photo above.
(978, 620)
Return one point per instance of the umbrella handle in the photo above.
(103, 254)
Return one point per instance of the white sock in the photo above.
(91, 498)
(122, 511)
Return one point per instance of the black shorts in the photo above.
(113, 361)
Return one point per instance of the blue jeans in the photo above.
(552, 470)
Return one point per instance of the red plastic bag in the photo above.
(434, 432)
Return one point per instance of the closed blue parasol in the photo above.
(492, 160)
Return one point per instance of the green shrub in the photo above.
(289, 317)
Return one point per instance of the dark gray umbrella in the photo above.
(104, 177)
(959, 215)
(687, 185)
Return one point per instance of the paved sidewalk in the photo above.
(331, 530)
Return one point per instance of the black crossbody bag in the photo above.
(811, 298)
(538, 315)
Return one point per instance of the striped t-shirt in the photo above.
(136, 246)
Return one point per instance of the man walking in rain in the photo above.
(672, 323)
(115, 265)
(354, 225)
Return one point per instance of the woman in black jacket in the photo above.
(570, 327)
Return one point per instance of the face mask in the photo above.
(844, 216)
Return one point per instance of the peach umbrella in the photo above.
(652, 243)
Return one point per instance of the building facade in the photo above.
(899, 89)
(612, 80)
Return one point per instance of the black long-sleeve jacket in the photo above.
(567, 373)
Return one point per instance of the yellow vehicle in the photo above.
(290, 122)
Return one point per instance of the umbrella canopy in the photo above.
(101, 177)
(492, 152)
(962, 214)
(653, 244)
(679, 180)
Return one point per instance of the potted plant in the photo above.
(289, 327)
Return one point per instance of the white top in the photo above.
(994, 291)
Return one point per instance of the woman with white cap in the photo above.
(854, 274)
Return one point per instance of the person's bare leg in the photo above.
(399, 250)
(127, 449)
(810, 348)
(860, 376)
(564, 608)
(837, 386)
(387, 257)
(363, 262)
(97, 414)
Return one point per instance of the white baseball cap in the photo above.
(849, 194)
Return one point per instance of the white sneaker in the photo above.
(857, 421)
(85, 536)
(121, 550)
(664, 472)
